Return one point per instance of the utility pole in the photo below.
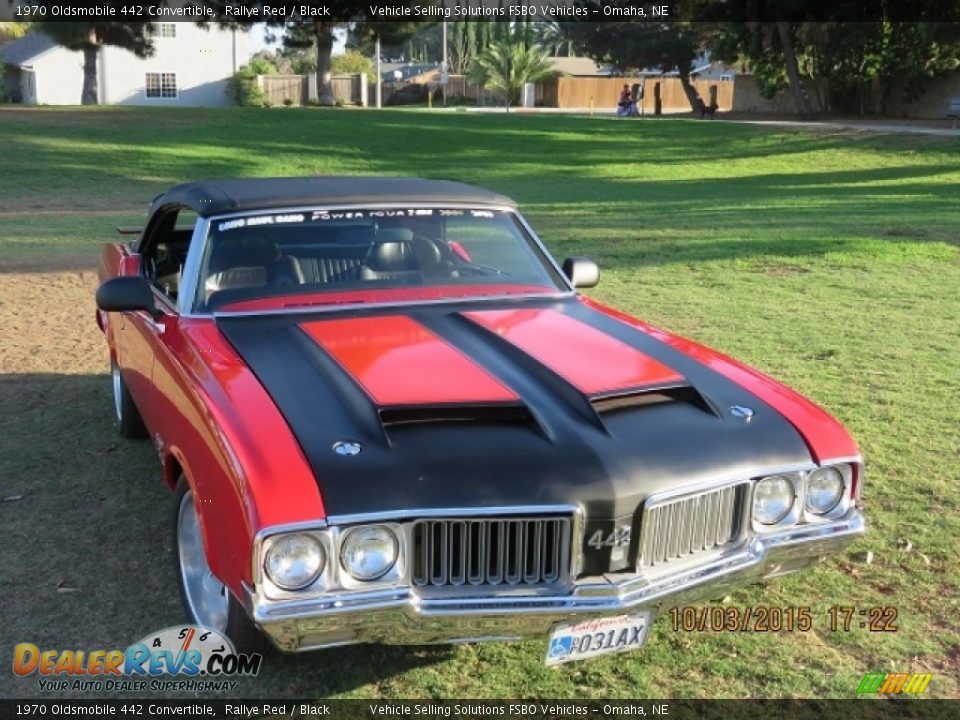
(379, 91)
(444, 76)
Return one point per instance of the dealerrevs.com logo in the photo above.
(188, 658)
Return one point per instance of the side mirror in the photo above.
(126, 293)
(583, 272)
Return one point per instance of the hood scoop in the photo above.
(475, 414)
(605, 404)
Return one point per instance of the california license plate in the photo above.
(602, 636)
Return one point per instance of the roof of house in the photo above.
(23, 50)
(214, 197)
(577, 66)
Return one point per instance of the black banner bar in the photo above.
(279, 11)
(864, 709)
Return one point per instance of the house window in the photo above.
(161, 85)
(726, 77)
(167, 30)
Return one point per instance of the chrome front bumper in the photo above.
(401, 616)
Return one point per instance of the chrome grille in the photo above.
(495, 551)
(684, 527)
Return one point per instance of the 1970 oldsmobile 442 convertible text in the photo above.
(388, 416)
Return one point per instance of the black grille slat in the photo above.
(496, 551)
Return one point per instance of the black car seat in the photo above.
(247, 262)
(335, 262)
(391, 257)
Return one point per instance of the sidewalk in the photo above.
(865, 127)
(889, 128)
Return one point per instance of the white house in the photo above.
(190, 66)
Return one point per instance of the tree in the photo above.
(671, 46)
(857, 53)
(507, 65)
(316, 34)
(301, 31)
(89, 37)
(797, 89)
(466, 39)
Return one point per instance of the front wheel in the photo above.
(206, 600)
(125, 410)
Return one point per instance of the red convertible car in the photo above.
(389, 416)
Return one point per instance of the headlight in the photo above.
(773, 499)
(294, 561)
(825, 488)
(368, 552)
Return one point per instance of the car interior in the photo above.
(266, 260)
(356, 256)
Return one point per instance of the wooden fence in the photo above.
(283, 89)
(604, 92)
(301, 89)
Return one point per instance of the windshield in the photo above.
(326, 251)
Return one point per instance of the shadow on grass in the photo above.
(591, 178)
(87, 538)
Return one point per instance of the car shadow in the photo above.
(86, 529)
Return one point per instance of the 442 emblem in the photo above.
(619, 537)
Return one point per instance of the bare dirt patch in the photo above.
(49, 323)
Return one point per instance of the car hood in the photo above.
(502, 404)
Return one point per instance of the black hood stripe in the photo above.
(608, 464)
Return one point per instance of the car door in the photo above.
(143, 336)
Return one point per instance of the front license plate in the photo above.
(602, 636)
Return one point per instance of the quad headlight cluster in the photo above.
(790, 498)
(331, 558)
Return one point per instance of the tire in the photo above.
(125, 410)
(206, 600)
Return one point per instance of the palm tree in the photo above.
(507, 65)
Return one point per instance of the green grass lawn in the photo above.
(829, 260)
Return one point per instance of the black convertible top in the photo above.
(215, 197)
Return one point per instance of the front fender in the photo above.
(247, 471)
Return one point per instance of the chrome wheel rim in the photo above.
(206, 597)
(117, 382)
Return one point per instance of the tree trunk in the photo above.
(323, 32)
(690, 91)
(90, 52)
(793, 72)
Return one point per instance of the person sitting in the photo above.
(627, 105)
(707, 110)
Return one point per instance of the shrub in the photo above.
(287, 102)
(262, 66)
(242, 88)
(352, 61)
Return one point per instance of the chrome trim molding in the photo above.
(190, 277)
(418, 513)
(402, 615)
(689, 528)
(490, 552)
